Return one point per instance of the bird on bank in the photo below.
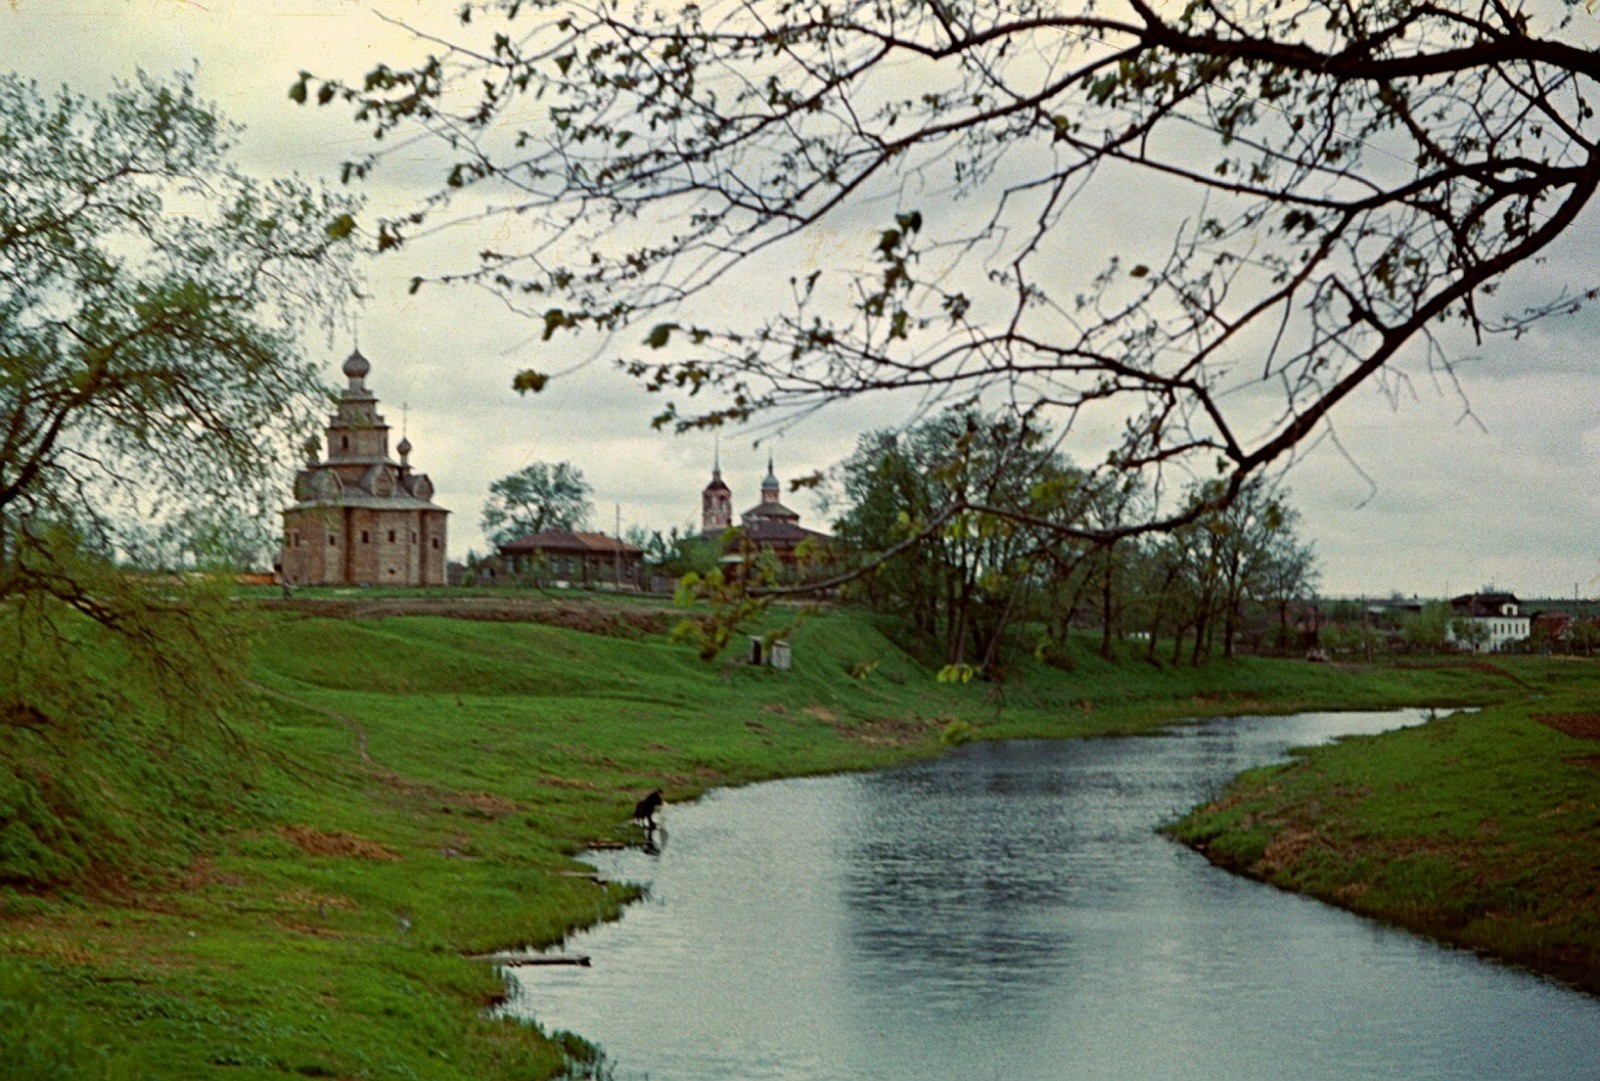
(644, 812)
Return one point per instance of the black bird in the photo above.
(644, 812)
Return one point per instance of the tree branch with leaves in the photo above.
(153, 301)
(1320, 192)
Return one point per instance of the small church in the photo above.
(769, 524)
(359, 516)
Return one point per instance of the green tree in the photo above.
(677, 551)
(1324, 189)
(1290, 575)
(977, 570)
(1426, 631)
(152, 304)
(1215, 574)
(1585, 635)
(537, 497)
(1471, 634)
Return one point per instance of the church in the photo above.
(768, 525)
(360, 517)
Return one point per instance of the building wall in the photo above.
(1503, 630)
(358, 441)
(363, 546)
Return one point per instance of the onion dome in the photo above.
(405, 446)
(770, 483)
(356, 366)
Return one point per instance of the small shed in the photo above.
(773, 654)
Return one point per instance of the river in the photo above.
(1008, 911)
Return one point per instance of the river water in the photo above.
(1008, 911)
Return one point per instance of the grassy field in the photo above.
(1481, 829)
(302, 895)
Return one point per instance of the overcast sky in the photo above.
(1414, 496)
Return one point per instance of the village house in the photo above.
(576, 558)
(360, 517)
(1499, 615)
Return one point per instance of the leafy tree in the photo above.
(1324, 189)
(538, 497)
(1211, 571)
(1426, 631)
(224, 536)
(152, 301)
(973, 577)
(677, 551)
(1290, 575)
(1471, 634)
(1585, 634)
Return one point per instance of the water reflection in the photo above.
(1008, 911)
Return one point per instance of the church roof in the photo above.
(774, 530)
(717, 484)
(385, 485)
(356, 498)
(770, 509)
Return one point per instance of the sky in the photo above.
(1422, 492)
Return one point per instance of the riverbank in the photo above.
(1481, 830)
(300, 896)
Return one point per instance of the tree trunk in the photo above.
(1105, 604)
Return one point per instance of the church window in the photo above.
(344, 442)
(364, 538)
(333, 539)
(436, 542)
(391, 536)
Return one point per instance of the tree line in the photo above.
(1013, 574)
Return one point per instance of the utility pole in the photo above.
(617, 563)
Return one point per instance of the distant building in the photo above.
(564, 555)
(359, 517)
(716, 503)
(768, 526)
(1499, 614)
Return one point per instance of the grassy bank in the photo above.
(1481, 829)
(300, 896)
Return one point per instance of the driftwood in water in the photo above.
(588, 875)
(519, 960)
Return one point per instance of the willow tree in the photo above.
(1202, 226)
(152, 303)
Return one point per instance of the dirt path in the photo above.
(355, 726)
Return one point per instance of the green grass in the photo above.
(1480, 829)
(178, 904)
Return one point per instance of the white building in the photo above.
(1499, 614)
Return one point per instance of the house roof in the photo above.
(1483, 604)
(567, 540)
